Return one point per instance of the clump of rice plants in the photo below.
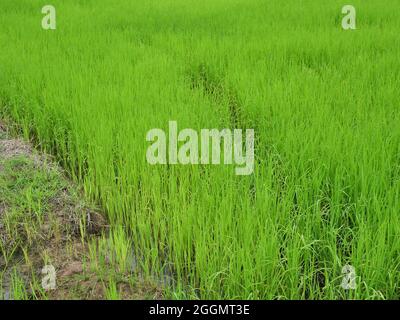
(323, 103)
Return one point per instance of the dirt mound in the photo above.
(43, 221)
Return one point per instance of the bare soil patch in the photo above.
(58, 237)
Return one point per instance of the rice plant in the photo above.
(323, 103)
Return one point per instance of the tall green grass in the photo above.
(324, 104)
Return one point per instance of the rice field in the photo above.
(323, 103)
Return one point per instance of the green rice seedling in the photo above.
(323, 103)
(18, 289)
(112, 291)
